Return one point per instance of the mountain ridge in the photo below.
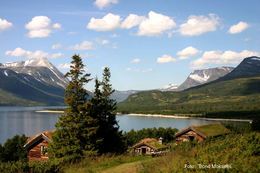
(34, 80)
(241, 93)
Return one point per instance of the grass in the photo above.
(103, 163)
(211, 130)
(240, 151)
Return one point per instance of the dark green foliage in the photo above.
(75, 127)
(52, 166)
(108, 137)
(14, 167)
(13, 149)
(133, 136)
(238, 127)
(229, 99)
(256, 125)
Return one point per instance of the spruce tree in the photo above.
(75, 128)
(109, 138)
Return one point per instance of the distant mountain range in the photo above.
(32, 82)
(38, 82)
(238, 90)
(199, 77)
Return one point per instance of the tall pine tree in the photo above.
(75, 128)
(109, 138)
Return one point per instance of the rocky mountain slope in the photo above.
(35, 80)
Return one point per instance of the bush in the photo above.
(50, 166)
(132, 137)
(14, 167)
(13, 149)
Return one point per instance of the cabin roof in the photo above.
(33, 140)
(150, 142)
(209, 130)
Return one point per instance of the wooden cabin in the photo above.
(200, 133)
(37, 146)
(149, 146)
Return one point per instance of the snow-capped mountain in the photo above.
(39, 68)
(169, 87)
(36, 81)
(199, 77)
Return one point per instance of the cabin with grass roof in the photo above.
(149, 146)
(200, 133)
(37, 146)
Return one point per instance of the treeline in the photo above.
(134, 136)
(13, 150)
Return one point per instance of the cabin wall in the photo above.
(35, 152)
(141, 149)
(189, 136)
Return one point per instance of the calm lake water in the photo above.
(24, 120)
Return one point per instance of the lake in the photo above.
(24, 120)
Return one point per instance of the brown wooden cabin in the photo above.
(200, 133)
(37, 146)
(149, 146)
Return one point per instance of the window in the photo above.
(191, 138)
(43, 150)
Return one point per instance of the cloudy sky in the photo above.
(146, 43)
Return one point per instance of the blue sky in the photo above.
(147, 44)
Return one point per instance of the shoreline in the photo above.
(50, 111)
(176, 116)
(159, 115)
(187, 117)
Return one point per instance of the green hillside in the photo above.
(230, 97)
(235, 152)
(8, 99)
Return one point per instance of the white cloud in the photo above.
(187, 52)
(40, 27)
(85, 45)
(239, 27)
(19, 52)
(4, 24)
(56, 46)
(136, 61)
(64, 66)
(104, 3)
(155, 24)
(108, 23)
(131, 21)
(165, 59)
(222, 57)
(197, 25)
(104, 42)
(56, 26)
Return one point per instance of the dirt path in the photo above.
(125, 168)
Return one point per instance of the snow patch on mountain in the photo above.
(6, 73)
(169, 87)
(257, 59)
(199, 78)
(39, 68)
